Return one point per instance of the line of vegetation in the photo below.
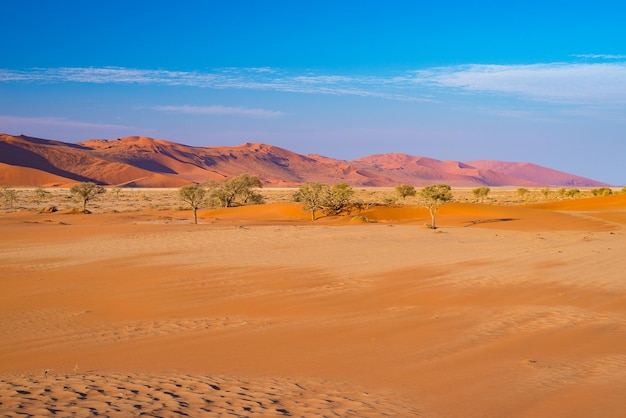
(317, 198)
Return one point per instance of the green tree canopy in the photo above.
(194, 196)
(332, 201)
(238, 190)
(481, 193)
(86, 191)
(405, 190)
(313, 196)
(434, 196)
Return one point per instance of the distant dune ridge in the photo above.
(145, 162)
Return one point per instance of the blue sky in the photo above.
(543, 82)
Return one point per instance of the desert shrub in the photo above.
(522, 192)
(40, 194)
(116, 192)
(602, 191)
(405, 190)
(9, 195)
(545, 192)
(360, 218)
(86, 191)
(623, 189)
(481, 193)
(572, 193)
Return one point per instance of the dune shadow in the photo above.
(486, 221)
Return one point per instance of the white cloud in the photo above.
(601, 56)
(557, 82)
(220, 110)
(223, 78)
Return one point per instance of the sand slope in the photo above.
(144, 312)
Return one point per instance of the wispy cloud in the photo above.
(10, 120)
(220, 110)
(589, 83)
(527, 115)
(601, 56)
(556, 83)
(224, 78)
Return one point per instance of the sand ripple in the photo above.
(173, 394)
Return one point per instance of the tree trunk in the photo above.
(433, 214)
(195, 215)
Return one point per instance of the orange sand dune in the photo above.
(26, 176)
(258, 311)
(529, 218)
(600, 203)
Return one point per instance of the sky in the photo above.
(533, 81)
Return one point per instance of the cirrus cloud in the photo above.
(49, 121)
(220, 110)
(557, 82)
(595, 83)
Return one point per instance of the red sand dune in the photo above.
(424, 171)
(534, 173)
(146, 162)
(72, 162)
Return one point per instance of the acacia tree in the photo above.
(405, 190)
(245, 186)
(86, 191)
(313, 196)
(116, 191)
(238, 189)
(193, 195)
(435, 196)
(338, 199)
(330, 200)
(481, 193)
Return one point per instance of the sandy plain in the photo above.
(505, 311)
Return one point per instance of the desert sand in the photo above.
(504, 311)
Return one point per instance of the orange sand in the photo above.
(257, 311)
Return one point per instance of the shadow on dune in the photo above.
(486, 221)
